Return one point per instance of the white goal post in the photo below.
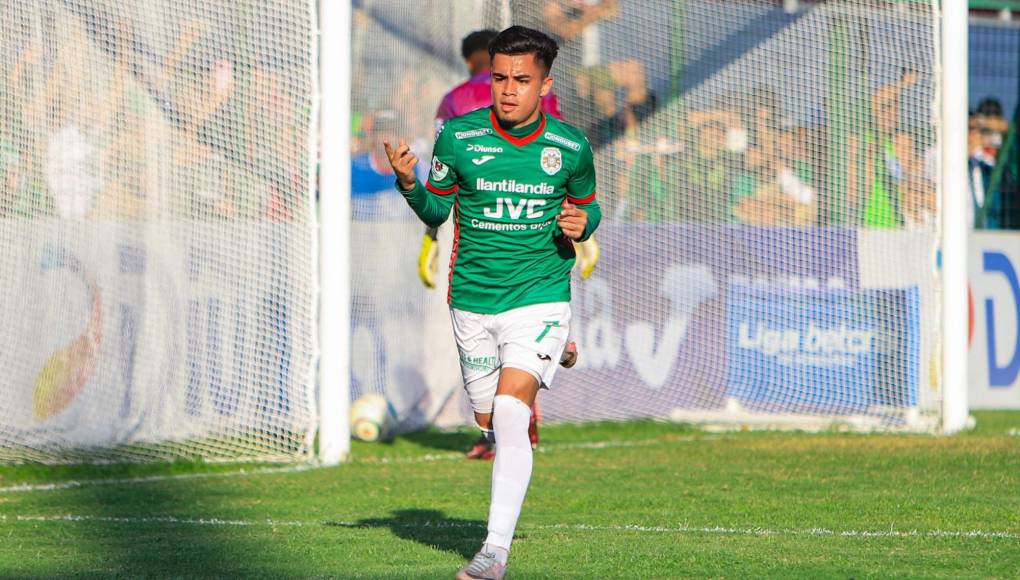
(955, 229)
(334, 236)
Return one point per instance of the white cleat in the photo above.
(482, 567)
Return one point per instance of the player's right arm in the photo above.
(431, 202)
(428, 256)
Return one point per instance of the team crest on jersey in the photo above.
(552, 160)
(439, 169)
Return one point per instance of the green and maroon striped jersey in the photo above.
(506, 188)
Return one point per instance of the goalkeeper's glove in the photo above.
(428, 258)
(587, 256)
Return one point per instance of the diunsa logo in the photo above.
(476, 148)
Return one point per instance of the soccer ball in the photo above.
(372, 417)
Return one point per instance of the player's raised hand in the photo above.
(403, 163)
(572, 220)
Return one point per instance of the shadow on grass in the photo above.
(145, 530)
(430, 528)
(444, 440)
(167, 549)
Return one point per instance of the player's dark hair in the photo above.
(521, 40)
(989, 107)
(477, 40)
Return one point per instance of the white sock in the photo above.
(511, 471)
(501, 554)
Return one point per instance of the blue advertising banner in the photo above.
(995, 320)
(836, 351)
(651, 324)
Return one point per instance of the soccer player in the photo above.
(468, 96)
(475, 93)
(522, 186)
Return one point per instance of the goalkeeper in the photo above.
(521, 185)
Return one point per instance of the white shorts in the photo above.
(529, 338)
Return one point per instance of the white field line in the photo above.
(753, 531)
(75, 484)
(546, 448)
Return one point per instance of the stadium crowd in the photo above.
(89, 123)
(747, 158)
(101, 123)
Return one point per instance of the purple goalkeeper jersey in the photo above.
(476, 93)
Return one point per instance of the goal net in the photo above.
(157, 235)
(767, 172)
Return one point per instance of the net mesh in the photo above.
(156, 229)
(767, 175)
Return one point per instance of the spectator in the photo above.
(414, 96)
(757, 121)
(709, 171)
(201, 165)
(10, 174)
(987, 127)
(988, 115)
(567, 21)
(779, 187)
(919, 203)
(610, 117)
(71, 154)
(982, 146)
(613, 123)
(878, 175)
(277, 117)
(10, 158)
(647, 186)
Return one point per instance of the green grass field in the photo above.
(626, 500)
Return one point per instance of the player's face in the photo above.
(518, 85)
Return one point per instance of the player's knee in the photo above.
(510, 417)
(520, 383)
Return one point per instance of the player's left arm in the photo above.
(581, 212)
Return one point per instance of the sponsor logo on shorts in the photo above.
(563, 141)
(479, 363)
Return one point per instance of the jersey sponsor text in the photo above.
(472, 133)
(513, 186)
(476, 148)
(515, 209)
(563, 141)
